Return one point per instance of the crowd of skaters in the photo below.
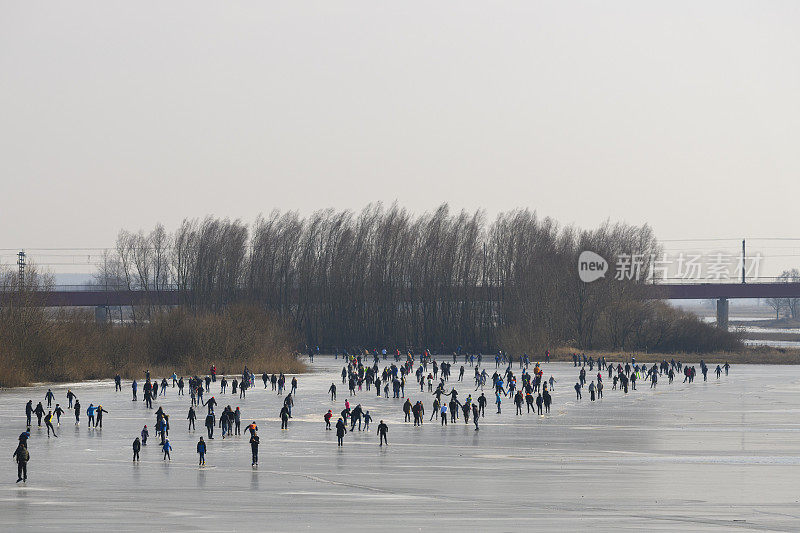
(527, 389)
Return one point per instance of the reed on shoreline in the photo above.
(37, 345)
(749, 355)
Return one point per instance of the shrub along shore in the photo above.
(755, 355)
(39, 346)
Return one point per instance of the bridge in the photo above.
(101, 298)
(723, 292)
(94, 298)
(104, 298)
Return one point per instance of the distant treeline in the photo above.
(39, 344)
(385, 277)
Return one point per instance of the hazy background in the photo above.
(683, 115)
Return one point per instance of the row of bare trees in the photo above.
(790, 306)
(385, 277)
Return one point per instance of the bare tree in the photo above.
(777, 304)
(385, 277)
(791, 304)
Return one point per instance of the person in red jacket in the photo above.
(328, 417)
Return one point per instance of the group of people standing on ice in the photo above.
(529, 391)
(626, 376)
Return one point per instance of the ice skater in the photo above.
(284, 414)
(22, 457)
(254, 440)
(99, 412)
(340, 432)
(39, 412)
(48, 420)
(201, 451)
(383, 429)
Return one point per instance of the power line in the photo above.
(697, 240)
(61, 249)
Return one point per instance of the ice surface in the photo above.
(718, 456)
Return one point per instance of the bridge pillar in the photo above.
(722, 313)
(101, 314)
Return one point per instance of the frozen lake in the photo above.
(756, 330)
(713, 456)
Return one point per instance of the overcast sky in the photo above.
(683, 115)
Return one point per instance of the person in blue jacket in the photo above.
(201, 450)
(167, 447)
